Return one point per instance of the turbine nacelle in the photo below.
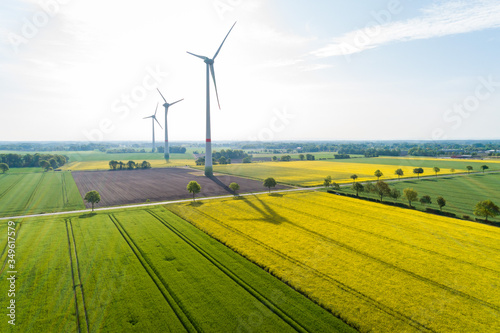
(208, 61)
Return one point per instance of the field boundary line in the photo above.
(414, 275)
(79, 275)
(342, 286)
(383, 237)
(163, 288)
(77, 313)
(246, 286)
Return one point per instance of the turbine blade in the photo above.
(176, 102)
(147, 117)
(156, 110)
(199, 56)
(215, 84)
(161, 95)
(158, 122)
(216, 53)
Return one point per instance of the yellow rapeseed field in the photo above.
(380, 268)
(312, 173)
(104, 165)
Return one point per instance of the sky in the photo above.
(74, 70)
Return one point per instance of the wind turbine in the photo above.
(166, 153)
(210, 70)
(153, 118)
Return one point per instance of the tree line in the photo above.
(130, 165)
(32, 161)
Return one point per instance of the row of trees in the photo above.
(130, 165)
(194, 187)
(32, 161)
(302, 157)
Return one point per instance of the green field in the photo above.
(445, 164)
(145, 271)
(460, 192)
(32, 193)
(90, 156)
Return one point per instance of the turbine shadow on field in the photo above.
(268, 214)
(220, 183)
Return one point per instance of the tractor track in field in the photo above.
(64, 190)
(35, 190)
(342, 286)
(246, 286)
(386, 238)
(21, 177)
(404, 227)
(79, 275)
(169, 296)
(6, 246)
(77, 312)
(397, 268)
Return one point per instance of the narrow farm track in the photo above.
(247, 287)
(35, 190)
(342, 286)
(80, 284)
(372, 234)
(181, 313)
(19, 178)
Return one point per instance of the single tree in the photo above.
(410, 195)
(121, 165)
(354, 177)
(93, 197)
(247, 160)
(425, 200)
(193, 187)
(418, 171)
(469, 168)
(486, 209)
(335, 186)
(399, 172)
(441, 202)
(234, 187)
(145, 165)
(4, 167)
(222, 160)
(452, 170)
(269, 182)
(275, 158)
(358, 187)
(301, 156)
(378, 174)
(113, 164)
(436, 170)
(369, 188)
(328, 181)
(130, 165)
(484, 167)
(395, 194)
(382, 189)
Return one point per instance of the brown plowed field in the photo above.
(136, 186)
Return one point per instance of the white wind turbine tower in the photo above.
(210, 70)
(153, 118)
(166, 153)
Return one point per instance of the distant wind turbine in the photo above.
(153, 118)
(166, 153)
(210, 70)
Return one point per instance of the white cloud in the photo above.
(449, 18)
